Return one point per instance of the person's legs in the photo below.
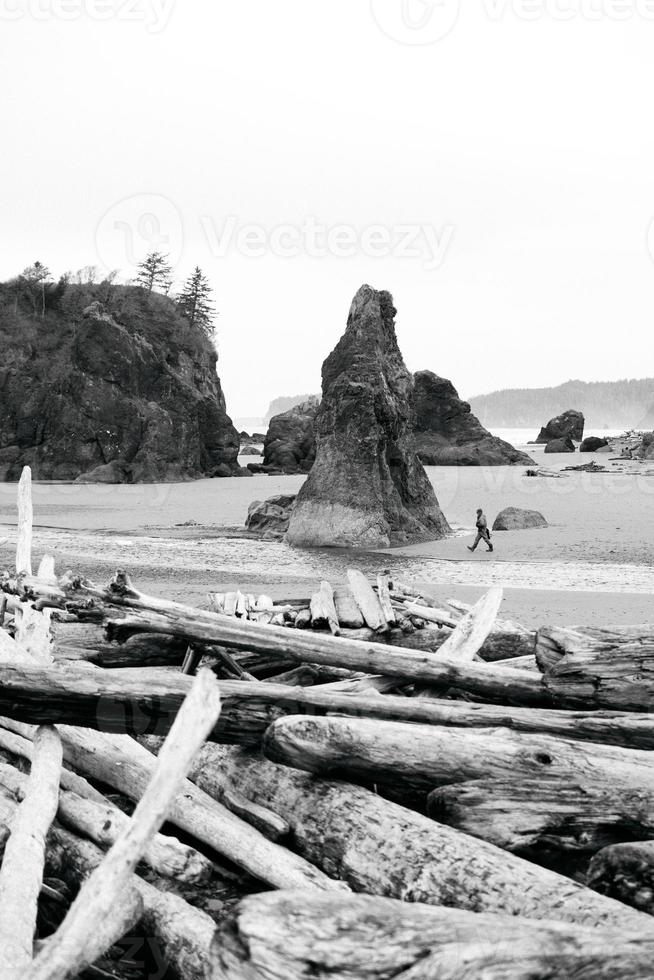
(477, 540)
(488, 541)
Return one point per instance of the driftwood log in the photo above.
(156, 615)
(21, 875)
(416, 758)
(382, 848)
(290, 936)
(121, 762)
(598, 668)
(554, 820)
(102, 822)
(182, 933)
(145, 701)
(96, 918)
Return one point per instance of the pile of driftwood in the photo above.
(406, 787)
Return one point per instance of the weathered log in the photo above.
(382, 848)
(545, 819)
(323, 610)
(384, 596)
(95, 919)
(347, 610)
(21, 875)
(24, 747)
(289, 647)
(24, 542)
(366, 600)
(102, 822)
(88, 641)
(121, 762)
(286, 936)
(626, 872)
(507, 686)
(471, 631)
(597, 668)
(182, 933)
(145, 701)
(415, 758)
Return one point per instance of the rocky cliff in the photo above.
(290, 443)
(367, 487)
(446, 433)
(119, 390)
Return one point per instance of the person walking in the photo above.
(483, 534)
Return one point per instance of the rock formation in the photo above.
(592, 444)
(270, 518)
(123, 396)
(569, 425)
(446, 432)
(290, 444)
(560, 446)
(367, 487)
(516, 519)
(646, 448)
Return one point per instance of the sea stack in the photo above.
(448, 434)
(367, 488)
(568, 425)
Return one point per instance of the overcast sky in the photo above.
(493, 167)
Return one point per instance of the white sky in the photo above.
(525, 146)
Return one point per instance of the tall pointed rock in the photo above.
(367, 488)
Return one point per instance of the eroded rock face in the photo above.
(592, 444)
(290, 443)
(446, 432)
(516, 519)
(560, 446)
(569, 425)
(122, 406)
(270, 518)
(366, 488)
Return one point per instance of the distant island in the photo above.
(605, 404)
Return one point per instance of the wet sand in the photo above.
(594, 564)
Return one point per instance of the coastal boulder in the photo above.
(560, 446)
(446, 433)
(290, 443)
(592, 444)
(646, 448)
(515, 519)
(569, 425)
(367, 487)
(270, 517)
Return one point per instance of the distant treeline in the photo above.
(606, 404)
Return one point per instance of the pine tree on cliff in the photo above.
(35, 277)
(194, 302)
(153, 271)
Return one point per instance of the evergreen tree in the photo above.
(35, 278)
(195, 304)
(154, 271)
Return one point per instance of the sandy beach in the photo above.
(593, 564)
